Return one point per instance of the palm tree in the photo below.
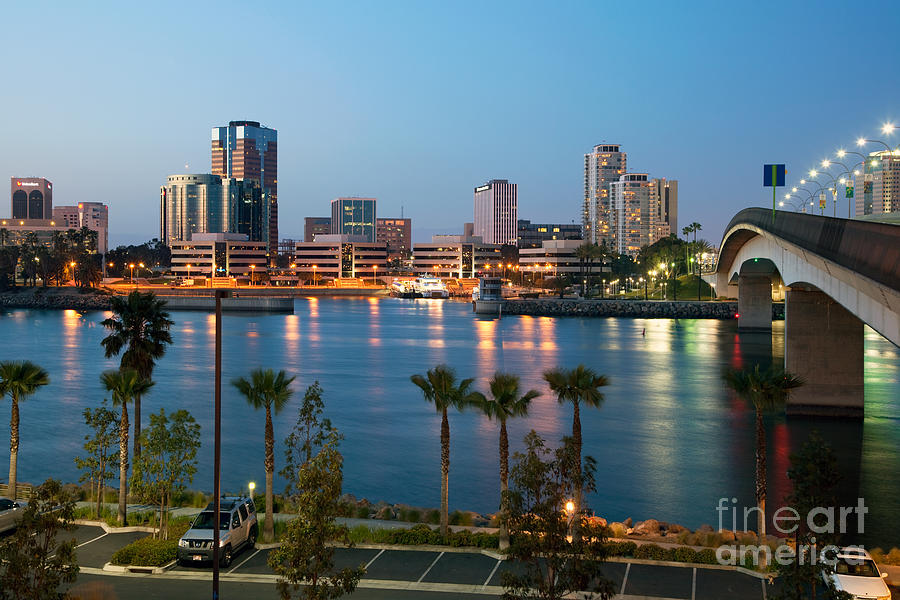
(580, 385)
(585, 254)
(19, 379)
(140, 325)
(125, 385)
(505, 403)
(766, 390)
(270, 391)
(439, 387)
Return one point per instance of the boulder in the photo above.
(648, 527)
(628, 522)
(705, 529)
(385, 513)
(675, 529)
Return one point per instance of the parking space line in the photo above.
(694, 585)
(625, 579)
(369, 564)
(762, 582)
(489, 577)
(429, 568)
(93, 540)
(241, 564)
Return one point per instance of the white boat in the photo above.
(430, 287)
(403, 288)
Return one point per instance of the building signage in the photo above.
(483, 188)
(28, 183)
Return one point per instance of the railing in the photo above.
(23, 491)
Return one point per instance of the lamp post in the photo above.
(130, 266)
(315, 281)
(374, 277)
(815, 173)
(252, 271)
(188, 270)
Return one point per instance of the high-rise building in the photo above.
(531, 235)
(496, 212)
(313, 226)
(246, 150)
(602, 166)
(631, 213)
(353, 216)
(877, 189)
(31, 198)
(93, 215)
(397, 234)
(664, 208)
(204, 203)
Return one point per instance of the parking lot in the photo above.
(428, 572)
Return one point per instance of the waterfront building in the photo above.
(456, 256)
(218, 255)
(664, 208)
(397, 235)
(530, 235)
(552, 258)
(246, 150)
(207, 203)
(877, 188)
(31, 198)
(93, 215)
(354, 216)
(17, 231)
(313, 226)
(605, 164)
(630, 215)
(336, 256)
(496, 212)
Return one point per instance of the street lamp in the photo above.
(315, 283)
(374, 277)
(252, 271)
(188, 270)
(130, 266)
(251, 486)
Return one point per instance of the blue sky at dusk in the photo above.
(418, 102)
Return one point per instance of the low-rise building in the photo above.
(336, 256)
(17, 231)
(530, 235)
(554, 257)
(93, 215)
(218, 255)
(456, 256)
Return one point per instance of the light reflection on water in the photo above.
(669, 439)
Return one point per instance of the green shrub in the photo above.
(433, 517)
(707, 556)
(616, 530)
(620, 549)
(410, 515)
(685, 554)
(422, 535)
(461, 518)
(653, 552)
(362, 512)
(893, 557)
(147, 552)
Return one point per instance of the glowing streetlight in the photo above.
(130, 266)
(252, 271)
(314, 274)
(888, 128)
(251, 486)
(374, 277)
(570, 507)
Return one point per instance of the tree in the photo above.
(267, 390)
(305, 560)
(577, 386)
(98, 445)
(125, 385)
(556, 565)
(18, 379)
(307, 437)
(139, 326)
(505, 403)
(815, 478)
(766, 391)
(560, 283)
(439, 387)
(34, 563)
(168, 462)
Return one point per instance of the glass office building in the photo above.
(353, 216)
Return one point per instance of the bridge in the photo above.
(836, 274)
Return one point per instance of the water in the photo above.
(669, 439)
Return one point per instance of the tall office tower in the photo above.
(207, 203)
(397, 234)
(245, 150)
(496, 212)
(604, 165)
(630, 214)
(353, 216)
(877, 189)
(313, 226)
(664, 208)
(93, 215)
(31, 198)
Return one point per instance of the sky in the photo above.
(416, 103)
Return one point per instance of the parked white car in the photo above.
(856, 573)
(10, 514)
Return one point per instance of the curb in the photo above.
(106, 528)
(137, 570)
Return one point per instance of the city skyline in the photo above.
(728, 109)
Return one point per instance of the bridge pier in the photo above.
(754, 303)
(823, 344)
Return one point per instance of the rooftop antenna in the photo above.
(401, 210)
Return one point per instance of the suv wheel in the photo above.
(225, 561)
(251, 541)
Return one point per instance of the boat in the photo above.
(430, 287)
(403, 288)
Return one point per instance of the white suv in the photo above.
(856, 573)
(237, 529)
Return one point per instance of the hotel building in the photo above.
(31, 198)
(246, 150)
(496, 212)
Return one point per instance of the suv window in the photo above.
(251, 506)
(5, 504)
(235, 520)
(243, 512)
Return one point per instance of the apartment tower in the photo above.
(602, 166)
